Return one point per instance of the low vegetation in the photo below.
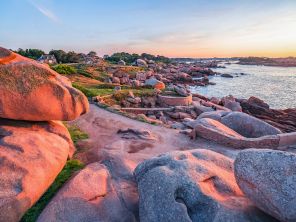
(76, 133)
(69, 169)
(64, 69)
(93, 91)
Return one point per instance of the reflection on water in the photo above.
(275, 85)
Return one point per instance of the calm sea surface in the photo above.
(275, 85)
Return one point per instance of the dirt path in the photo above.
(102, 127)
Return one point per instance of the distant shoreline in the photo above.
(276, 62)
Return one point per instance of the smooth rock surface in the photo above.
(31, 156)
(100, 192)
(34, 92)
(242, 123)
(248, 126)
(216, 131)
(155, 83)
(268, 178)
(197, 185)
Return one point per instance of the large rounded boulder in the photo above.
(268, 178)
(248, 126)
(196, 185)
(34, 92)
(31, 156)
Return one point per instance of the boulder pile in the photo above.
(34, 144)
(285, 120)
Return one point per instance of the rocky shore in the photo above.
(189, 158)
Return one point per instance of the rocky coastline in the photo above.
(154, 150)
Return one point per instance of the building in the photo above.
(48, 59)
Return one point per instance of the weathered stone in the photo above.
(248, 126)
(285, 120)
(196, 185)
(115, 80)
(136, 134)
(215, 131)
(31, 156)
(141, 63)
(268, 178)
(225, 75)
(155, 83)
(32, 91)
(93, 195)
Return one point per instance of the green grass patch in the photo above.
(93, 91)
(64, 69)
(76, 133)
(102, 76)
(69, 169)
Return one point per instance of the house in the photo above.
(48, 59)
(87, 59)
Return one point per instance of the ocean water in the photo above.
(275, 85)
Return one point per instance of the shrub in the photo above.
(64, 69)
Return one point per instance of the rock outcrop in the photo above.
(196, 185)
(32, 153)
(100, 192)
(155, 83)
(285, 120)
(268, 178)
(248, 126)
(239, 130)
(31, 156)
(34, 92)
(216, 131)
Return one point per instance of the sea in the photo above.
(274, 85)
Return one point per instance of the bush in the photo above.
(64, 69)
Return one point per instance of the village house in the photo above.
(48, 59)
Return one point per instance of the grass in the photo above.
(64, 69)
(76, 133)
(93, 91)
(102, 76)
(69, 169)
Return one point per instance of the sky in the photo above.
(174, 28)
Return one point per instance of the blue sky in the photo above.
(176, 28)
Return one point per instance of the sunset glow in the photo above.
(186, 28)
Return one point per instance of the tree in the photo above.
(72, 57)
(31, 53)
(60, 55)
(92, 54)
